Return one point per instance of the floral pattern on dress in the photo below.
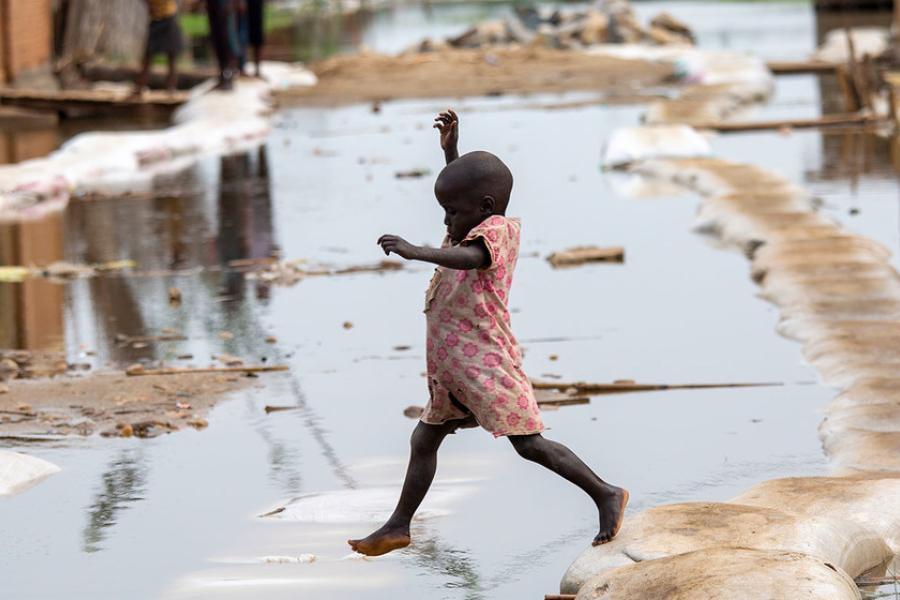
(471, 351)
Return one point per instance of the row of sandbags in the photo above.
(608, 22)
(797, 537)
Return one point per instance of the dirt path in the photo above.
(455, 73)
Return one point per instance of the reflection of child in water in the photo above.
(475, 372)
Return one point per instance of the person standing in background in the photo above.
(256, 31)
(163, 37)
(222, 15)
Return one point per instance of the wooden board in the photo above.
(64, 100)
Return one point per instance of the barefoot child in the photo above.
(475, 372)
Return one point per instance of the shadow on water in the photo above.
(122, 484)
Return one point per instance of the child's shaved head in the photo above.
(473, 176)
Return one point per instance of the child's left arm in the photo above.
(461, 258)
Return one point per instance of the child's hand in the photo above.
(397, 245)
(448, 124)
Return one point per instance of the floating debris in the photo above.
(290, 272)
(62, 271)
(413, 412)
(580, 255)
(137, 369)
(412, 174)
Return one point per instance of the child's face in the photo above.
(461, 215)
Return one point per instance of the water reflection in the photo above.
(122, 483)
(198, 220)
(433, 555)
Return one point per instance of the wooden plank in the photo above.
(97, 99)
(618, 387)
(826, 121)
(799, 67)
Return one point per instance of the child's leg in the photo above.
(610, 500)
(424, 444)
(172, 78)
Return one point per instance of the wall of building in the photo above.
(26, 36)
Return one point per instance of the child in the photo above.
(475, 375)
(163, 37)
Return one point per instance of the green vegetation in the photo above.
(195, 25)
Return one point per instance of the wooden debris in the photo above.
(788, 67)
(580, 255)
(101, 100)
(837, 120)
(174, 296)
(559, 596)
(270, 408)
(136, 370)
(618, 387)
(412, 173)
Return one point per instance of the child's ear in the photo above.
(487, 205)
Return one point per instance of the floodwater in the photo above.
(177, 516)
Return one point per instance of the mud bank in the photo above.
(113, 404)
(477, 72)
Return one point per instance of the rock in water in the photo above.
(20, 471)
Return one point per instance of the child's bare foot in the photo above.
(385, 540)
(612, 512)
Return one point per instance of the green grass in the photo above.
(197, 25)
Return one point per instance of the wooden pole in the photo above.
(135, 371)
(622, 387)
(826, 121)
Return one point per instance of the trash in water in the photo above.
(580, 255)
(412, 173)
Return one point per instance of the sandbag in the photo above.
(868, 391)
(724, 574)
(679, 528)
(856, 451)
(18, 471)
(870, 503)
(630, 144)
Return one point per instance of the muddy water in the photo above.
(176, 516)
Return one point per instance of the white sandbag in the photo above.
(870, 503)
(868, 391)
(869, 417)
(18, 471)
(631, 144)
(856, 451)
(724, 574)
(679, 528)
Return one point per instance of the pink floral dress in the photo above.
(471, 351)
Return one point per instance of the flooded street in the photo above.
(177, 516)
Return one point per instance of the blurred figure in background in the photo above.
(256, 32)
(163, 37)
(223, 32)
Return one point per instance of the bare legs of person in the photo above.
(172, 76)
(140, 84)
(424, 444)
(610, 500)
(257, 59)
